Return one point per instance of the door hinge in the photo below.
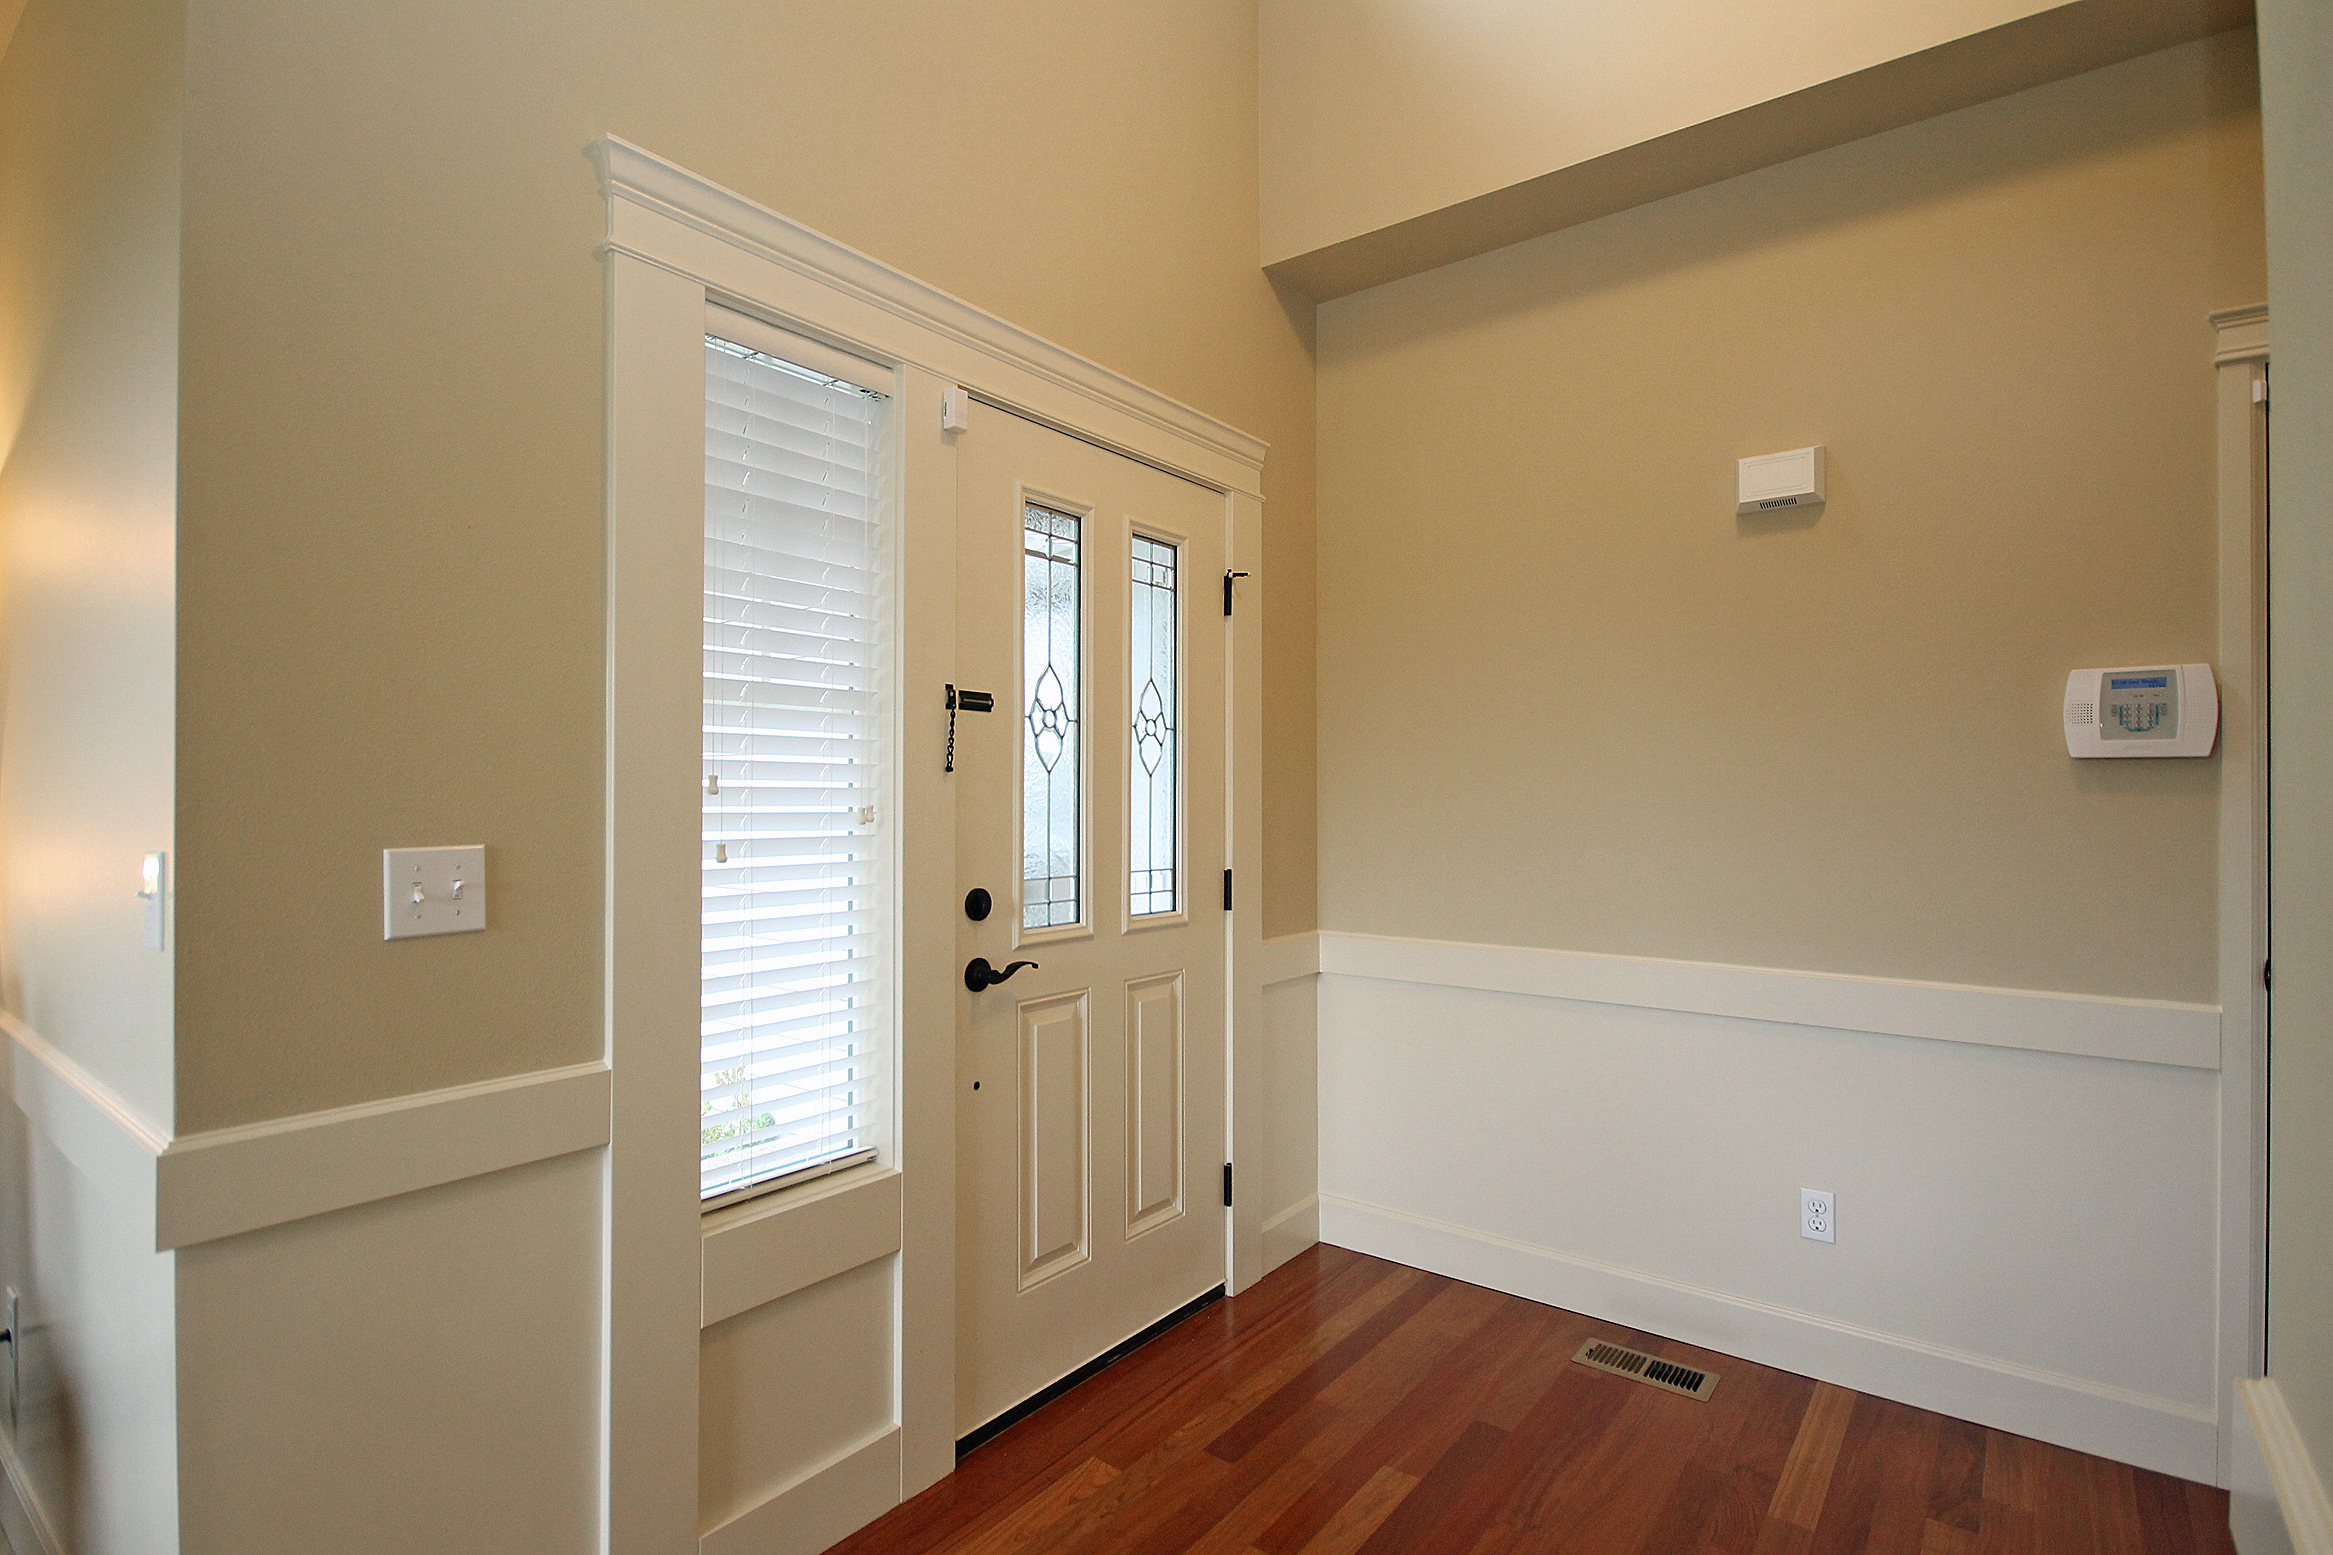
(2265, 985)
(1227, 577)
(1227, 1185)
(1227, 890)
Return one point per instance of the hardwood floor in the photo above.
(1349, 1405)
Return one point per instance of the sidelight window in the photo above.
(793, 959)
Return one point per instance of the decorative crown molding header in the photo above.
(629, 173)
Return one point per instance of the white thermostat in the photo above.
(1771, 483)
(2147, 710)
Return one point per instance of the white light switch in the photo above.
(153, 889)
(432, 891)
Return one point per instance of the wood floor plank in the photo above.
(1358, 1518)
(1434, 1519)
(1232, 1443)
(1415, 1422)
(1958, 1498)
(1350, 1406)
(1947, 1539)
(1010, 1534)
(1806, 1476)
(1719, 1502)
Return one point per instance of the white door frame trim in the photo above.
(2241, 357)
(674, 241)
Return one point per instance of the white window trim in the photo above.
(674, 243)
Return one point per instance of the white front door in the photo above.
(1090, 810)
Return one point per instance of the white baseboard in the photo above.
(2152, 1031)
(2299, 1518)
(820, 1509)
(1291, 1231)
(2153, 1433)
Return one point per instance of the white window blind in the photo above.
(795, 960)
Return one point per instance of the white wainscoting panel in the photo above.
(92, 1459)
(417, 1373)
(1287, 1177)
(817, 1510)
(790, 1387)
(2025, 1238)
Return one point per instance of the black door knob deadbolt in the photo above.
(977, 903)
(979, 975)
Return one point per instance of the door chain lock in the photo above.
(969, 702)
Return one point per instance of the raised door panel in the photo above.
(1154, 1102)
(1055, 1213)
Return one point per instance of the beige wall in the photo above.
(1568, 700)
(2297, 81)
(89, 157)
(1386, 109)
(1403, 134)
(391, 552)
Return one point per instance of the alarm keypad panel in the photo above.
(2144, 706)
(2142, 710)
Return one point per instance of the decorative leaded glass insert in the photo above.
(1052, 753)
(1150, 829)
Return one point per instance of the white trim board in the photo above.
(2242, 334)
(819, 1509)
(2155, 1433)
(223, 1182)
(2300, 1493)
(95, 1128)
(2092, 1026)
(228, 1181)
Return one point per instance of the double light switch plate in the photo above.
(432, 891)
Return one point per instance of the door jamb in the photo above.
(2242, 361)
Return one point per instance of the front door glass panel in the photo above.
(1152, 658)
(1052, 754)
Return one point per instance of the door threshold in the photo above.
(1046, 1395)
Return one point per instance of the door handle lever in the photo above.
(979, 975)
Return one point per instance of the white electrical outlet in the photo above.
(1815, 1219)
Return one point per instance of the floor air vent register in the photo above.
(1622, 1361)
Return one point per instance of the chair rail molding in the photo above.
(2153, 1031)
(223, 1182)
